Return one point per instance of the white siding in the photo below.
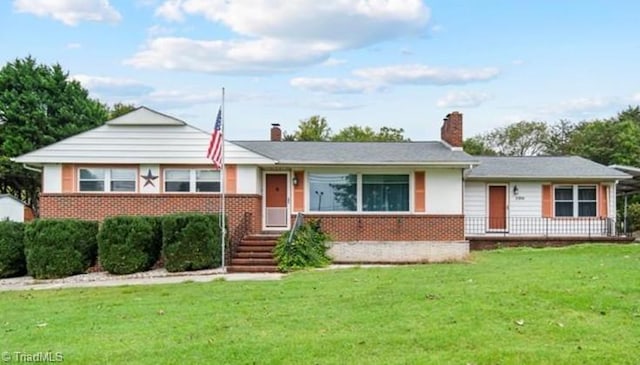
(52, 178)
(248, 180)
(444, 191)
(528, 202)
(135, 144)
(11, 209)
(474, 199)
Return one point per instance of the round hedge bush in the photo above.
(191, 242)
(57, 248)
(12, 260)
(129, 244)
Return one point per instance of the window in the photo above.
(191, 180)
(177, 180)
(586, 201)
(332, 192)
(385, 193)
(358, 193)
(92, 179)
(575, 201)
(207, 180)
(107, 180)
(123, 180)
(564, 201)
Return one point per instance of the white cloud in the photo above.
(636, 98)
(339, 22)
(517, 62)
(70, 12)
(462, 99)
(73, 45)
(331, 62)
(583, 105)
(112, 86)
(278, 35)
(380, 78)
(159, 30)
(252, 56)
(423, 74)
(333, 85)
(171, 10)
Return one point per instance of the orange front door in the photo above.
(498, 207)
(276, 201)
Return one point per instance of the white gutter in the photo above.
(31, 168)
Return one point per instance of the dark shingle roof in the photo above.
(354, 153)
(556, 167)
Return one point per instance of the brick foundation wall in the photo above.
(244, 211)
(391, 227)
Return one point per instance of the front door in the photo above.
(276, 197)
(497, 207)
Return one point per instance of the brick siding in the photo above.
(390, 227)
(244, 211)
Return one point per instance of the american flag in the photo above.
(215, 145)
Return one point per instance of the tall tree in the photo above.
(357, 133)
(119, 109)
(525, 138)
(477, 147)
(39, 105)
(631, 113)
(608, 142)
(560, 139)
(315, 128)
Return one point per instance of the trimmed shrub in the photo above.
(307, 249)
(191, 242)
(57, 248)
(12, 260)
(129, 244)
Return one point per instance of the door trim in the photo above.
(264, 200)
(506, 208)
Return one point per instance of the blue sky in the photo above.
(397, 63)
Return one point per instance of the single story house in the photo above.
(14, 209)
(380, 202)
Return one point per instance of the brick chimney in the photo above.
(451, 131)
(276, 132)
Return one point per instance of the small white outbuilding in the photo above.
(11, 208)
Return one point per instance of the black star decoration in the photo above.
(149, 177)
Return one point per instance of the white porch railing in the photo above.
(539, 226)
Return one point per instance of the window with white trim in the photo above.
(385, 193)
(575, 200)
(336, 192)
(92, 179)
(191, 181)
(332, 192)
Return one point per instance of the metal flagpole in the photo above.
(223, 226)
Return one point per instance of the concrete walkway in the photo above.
(103, 279)
(158, 276)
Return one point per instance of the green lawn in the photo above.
(577, 305)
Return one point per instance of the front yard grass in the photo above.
(575, 305)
